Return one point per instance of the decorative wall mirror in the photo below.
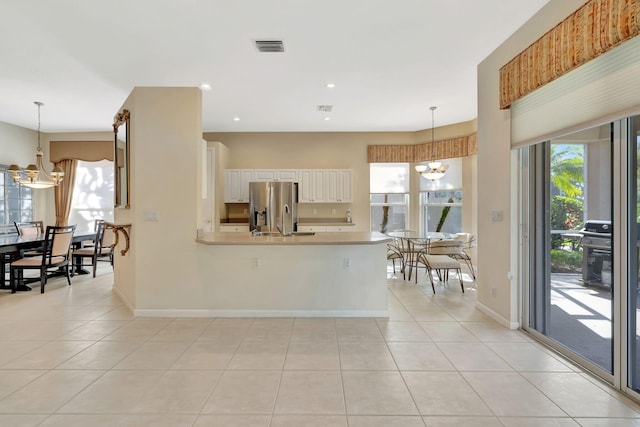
(121, 159)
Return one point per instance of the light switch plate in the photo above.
(152, 216)
(497, 216)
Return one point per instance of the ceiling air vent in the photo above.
(325, 108)
(269, 45)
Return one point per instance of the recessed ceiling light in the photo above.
(205, 86)
(331, 85)
(236, 119)
(326, 119)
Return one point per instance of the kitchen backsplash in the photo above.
(305, 210)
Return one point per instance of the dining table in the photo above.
(11, 244)
(411, 242)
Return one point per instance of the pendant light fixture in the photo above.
(434, 169)
(36, 176)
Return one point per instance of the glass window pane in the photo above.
(388, 218)
(13, 192)
(442, 211)
(14, 204)
(389, 177)
(633, 257)
(389, 199)
(26, 192)
(92, 194)
(14, 216)
(572, 296)
(15, 200)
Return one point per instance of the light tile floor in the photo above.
(76, 357)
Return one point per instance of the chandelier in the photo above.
(36, 176)
(433, 170)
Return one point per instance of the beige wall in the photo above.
(166, 137)
(497, 183)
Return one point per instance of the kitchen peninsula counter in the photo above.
(341, 274)
(344, 238)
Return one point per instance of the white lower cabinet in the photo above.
(233, 228)
(334, 228)
(324, 228)
(312, 228)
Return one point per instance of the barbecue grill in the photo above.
(596, 252)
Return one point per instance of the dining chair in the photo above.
(55, 254)
(468, 242)
(441, 265)
(29, 228)
(101, 249)
(409, 248)
(394, 253)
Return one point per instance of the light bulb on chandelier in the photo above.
(36, 176)
(434, 169)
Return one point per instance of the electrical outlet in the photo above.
(315, 211)
(244, 211)
(494, 292)
(333, 211)
(346, 263)
(255, 263)
(497, 216)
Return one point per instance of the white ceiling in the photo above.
(390, 60)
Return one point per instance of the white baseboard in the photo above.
(124, 299)
(261, 313)
(498, 318)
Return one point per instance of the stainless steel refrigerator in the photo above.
(273, 207)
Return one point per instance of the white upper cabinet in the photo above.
(311, 186)
(268, 175)
(338, 186)
(236, 185)
(314, 185)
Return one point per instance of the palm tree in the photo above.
(567, 169)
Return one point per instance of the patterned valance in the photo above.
(592, 30)
(89, 151)
(444, 149)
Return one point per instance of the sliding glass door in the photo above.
(633, 278)
(572, 298)
(582, 251)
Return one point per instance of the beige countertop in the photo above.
(344, 238)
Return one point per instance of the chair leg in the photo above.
(433, 287)
(95, 266)
(473, 273)
(66, 267)
(43, 279)
(74, 260)
(12, 279)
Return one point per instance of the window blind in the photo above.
(602, 90)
